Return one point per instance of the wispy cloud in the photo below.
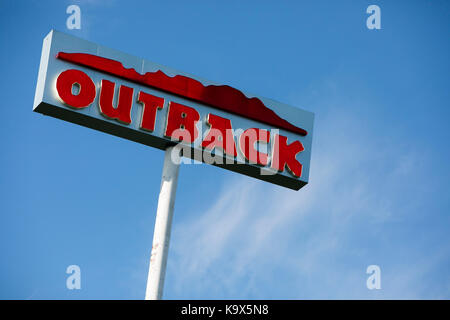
(315, 243)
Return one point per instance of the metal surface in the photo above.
(163, 223)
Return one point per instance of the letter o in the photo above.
(65, 82)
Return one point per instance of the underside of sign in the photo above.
(129, 97)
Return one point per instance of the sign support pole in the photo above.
(163, 225)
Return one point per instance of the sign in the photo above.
(110, 91)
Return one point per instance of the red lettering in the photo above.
(86, 88)
(181, 122)
(123, 111)
(284, 155)
(150, 105)
(220, 135)
(247, 142)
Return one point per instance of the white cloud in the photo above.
(262, 241)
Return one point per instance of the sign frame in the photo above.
(46, 102)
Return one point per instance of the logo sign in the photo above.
(110, 91)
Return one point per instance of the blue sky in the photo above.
(379, 179)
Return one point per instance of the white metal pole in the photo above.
(163, 224)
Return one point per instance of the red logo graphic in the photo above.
(181, 121)
(222, 97)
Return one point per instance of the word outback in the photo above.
(77, 90)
